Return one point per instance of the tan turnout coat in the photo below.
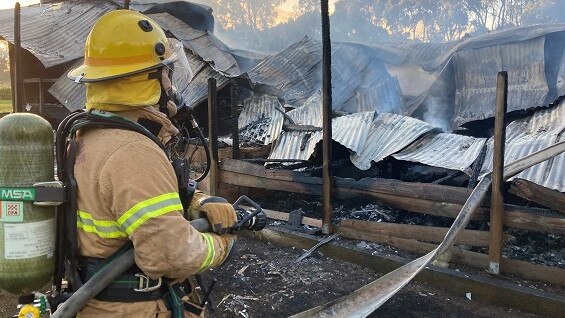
(127, 190)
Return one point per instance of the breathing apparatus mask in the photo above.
(174, 79)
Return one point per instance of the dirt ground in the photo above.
(263, 280)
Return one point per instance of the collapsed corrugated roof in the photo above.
(54, 33)
(526, 136)
(450, 151)
(475, 78)
(350, 131)
(295, 145)
(295, 74)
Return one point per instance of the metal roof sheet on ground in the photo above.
(296, 145)
(54, 33)
(526, 136)
(389, 133)
(258, 108)
(351, 131)
(450, 151)
(72, 95)
(476, 75)
(199, 43)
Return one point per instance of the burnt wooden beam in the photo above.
(487, 290)
(420, 197)
(546, 274)
(424, 233)
(458, 255)
(530, 191)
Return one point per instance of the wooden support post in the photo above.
(326, 120)
(41, 99)
(234, 100)
(16, 83)
(212, 136)
(497, 200)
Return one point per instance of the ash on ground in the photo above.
(263, 280)
(537, 248)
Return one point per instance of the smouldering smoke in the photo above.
(436, 114)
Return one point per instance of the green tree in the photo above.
(241, 21)
(4, 62)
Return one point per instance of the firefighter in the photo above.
(127, 188)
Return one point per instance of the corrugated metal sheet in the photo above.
(54, 33)
(358, 74)
(526, 136)
(384, 97)
(310, 113)
(352, 130)
(197, 90)
(295, 145)
(450, 151)
(476, 72)
(419, 53)
(69, 93)
(293, 73)
(389, 133)
(258, 108)
(495, 38)
(561, 78)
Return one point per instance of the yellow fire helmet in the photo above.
(122, 43)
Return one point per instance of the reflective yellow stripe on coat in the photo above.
(102, 228)
(148, 209)
(132, 218)
(209, 259)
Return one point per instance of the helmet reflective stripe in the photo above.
(210, 254)
(102, 228)
(148, 209)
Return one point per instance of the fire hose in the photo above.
(254, 220)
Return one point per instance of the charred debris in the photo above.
(413, 123)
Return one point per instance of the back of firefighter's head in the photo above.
(126, 54)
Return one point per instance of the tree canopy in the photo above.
(253, 23)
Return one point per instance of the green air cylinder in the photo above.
(27, 231)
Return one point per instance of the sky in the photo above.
(6, 4)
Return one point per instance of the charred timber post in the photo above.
(326, 119)
(497, 200)
(234, 118)
(16, 63)
(213, 136)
